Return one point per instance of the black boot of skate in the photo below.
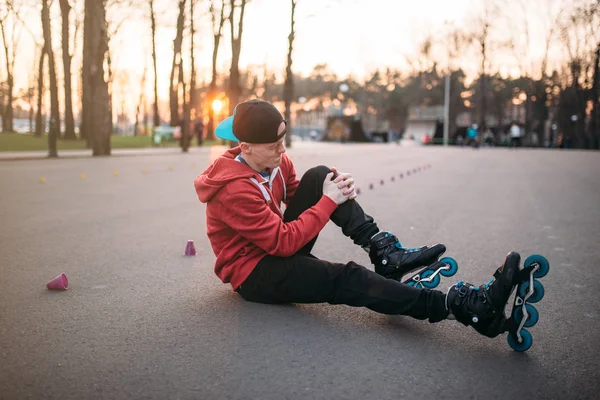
(483, 307)
(393, 261)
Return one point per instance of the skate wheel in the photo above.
(532, 318)
(543, 263)
(538, 291)
(411, 283)
(453, 266)
(524, 345)
(435, 281)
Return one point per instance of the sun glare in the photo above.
(217, 106)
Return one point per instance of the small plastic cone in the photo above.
(145, 170)
(42, 180)
(116, 173)
(59, 283)
(82, 176)
(190, 249)
(170, 168)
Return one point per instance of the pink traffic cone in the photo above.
(59, 283)
(190, 250)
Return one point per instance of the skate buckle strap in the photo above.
(386, 241)
(498, 272)
(463, 290)
(481, 294)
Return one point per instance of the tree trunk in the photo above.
(8, 110)
(595, 92)
(483, 108)
(7, 115)
(192, 102)
(212, 90)
(236, 48)
(173, 92)
(30, 102)
(39, 122)
(288, 90)
(141, 103)
(54, 127)
(95, 104)
(156, 116)
(66, 56)
(185, 119)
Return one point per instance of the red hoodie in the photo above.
(244, 221)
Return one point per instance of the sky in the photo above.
(353, 37)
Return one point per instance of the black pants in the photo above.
(303, 278)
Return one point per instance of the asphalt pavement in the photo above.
(142, 321)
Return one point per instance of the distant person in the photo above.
(199, 130)
(515, 135)
(472, 135)
(460, 141)
(488, 138)
(265, 253)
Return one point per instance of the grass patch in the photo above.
(25, 142)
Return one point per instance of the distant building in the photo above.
(424, 121)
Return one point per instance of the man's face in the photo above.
(266, 155)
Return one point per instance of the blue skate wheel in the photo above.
(453, 266)
(538, 291)
(435, 281)
(533, 316)
(543, 263)
(411, 283)
(524, 345)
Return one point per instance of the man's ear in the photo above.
(246, 148)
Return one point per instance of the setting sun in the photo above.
(217, 106)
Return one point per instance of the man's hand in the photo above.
(331, 190)
(345, 180)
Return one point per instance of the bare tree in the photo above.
(28, 94)
(10, 51)
(65, 9)
(217, 29)
(125, 8)
(456, 39)
(96, 118)
(535, 90)
(177, 65)
(288, 91)
(595, 95)
(192, 102)
(184, 142)
(141, 104)
(54, 127)
(481, 37)
(580, 34)
(236, 48)
(39, 121)
(156, 116)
